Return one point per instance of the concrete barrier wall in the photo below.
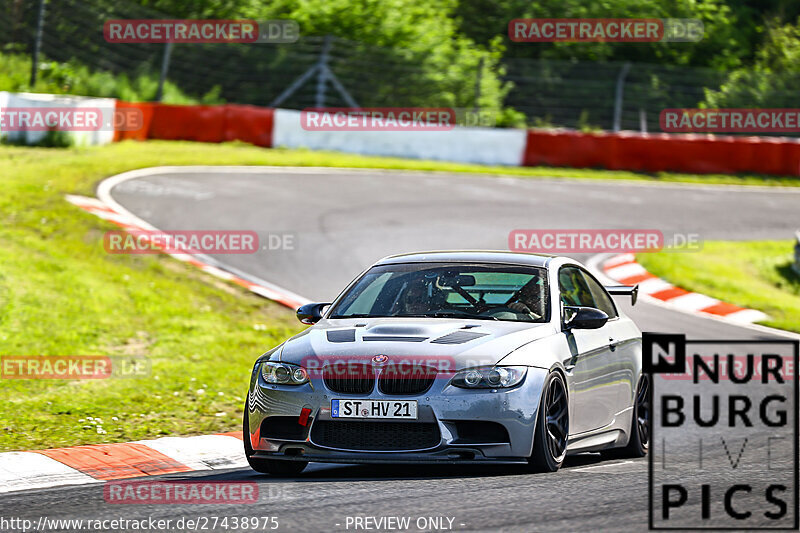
(485, 146)
(103, 135)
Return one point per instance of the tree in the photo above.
(773, 79)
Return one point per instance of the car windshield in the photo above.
(447, 290)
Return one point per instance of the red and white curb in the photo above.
(624, 269)
(80, 465)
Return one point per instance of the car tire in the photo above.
(552, 426)
(639, 440)
(274, 467)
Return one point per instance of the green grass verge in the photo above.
(61, 294)
(756, 275)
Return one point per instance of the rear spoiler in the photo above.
(624, 290)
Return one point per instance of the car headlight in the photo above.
(283, 374)
(489, 377)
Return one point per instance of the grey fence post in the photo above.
(642, 120)
(322, 72)
(618, 96)
(37, 44)
(296, 84)
(164, 70)
(324, 75)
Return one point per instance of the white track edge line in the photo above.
(104, 194)
(256, 169)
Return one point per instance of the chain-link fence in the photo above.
(582, 95)
(243, 73)
(608, 96)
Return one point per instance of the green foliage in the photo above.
(730, 29)
(773, 79)
(201, 9)
(427, 54)
(733, 28)
(51, 139)
(585, 125)
(420, 39)
(74, 78)
(511, 118)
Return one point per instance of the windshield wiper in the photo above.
(355, 315)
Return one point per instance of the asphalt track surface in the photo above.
(342, 221)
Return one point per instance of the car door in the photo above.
(623, 341)
(593, 395)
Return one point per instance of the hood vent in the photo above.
(412, 330)
(393, 338)
(458, 337)
(341, 335)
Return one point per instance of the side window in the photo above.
(573, 288)
(601, 298)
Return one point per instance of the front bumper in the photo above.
(445, 406)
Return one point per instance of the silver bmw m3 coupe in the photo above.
(454, 357)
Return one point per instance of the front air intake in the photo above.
(406, 379)
(349, 377)
(375, 436)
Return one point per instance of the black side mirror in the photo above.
(583, 317)
(310, 313)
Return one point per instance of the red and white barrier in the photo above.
(659, 152)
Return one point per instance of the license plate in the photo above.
(397, 409)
